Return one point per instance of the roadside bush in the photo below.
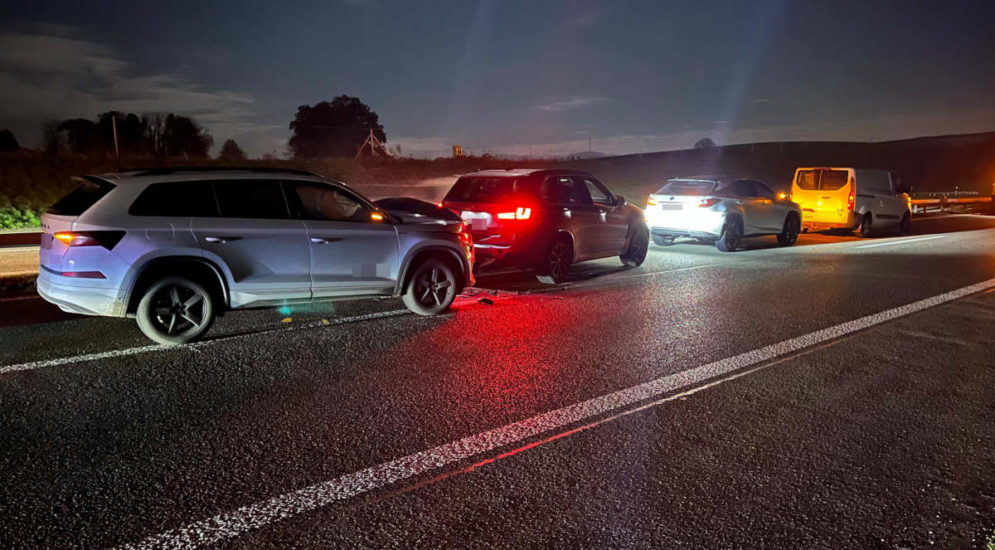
(12, 217)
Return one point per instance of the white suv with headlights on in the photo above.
(720, 209)
(175, 247)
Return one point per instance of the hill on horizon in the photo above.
(931, 163)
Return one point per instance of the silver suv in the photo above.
(175, 247)
(722, 210)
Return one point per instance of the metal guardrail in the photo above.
(933, 202)
(26, 238)
(944, 203)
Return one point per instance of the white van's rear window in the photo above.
(822, 180)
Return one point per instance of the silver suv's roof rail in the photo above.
(165, 171)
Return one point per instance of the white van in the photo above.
(849, 198)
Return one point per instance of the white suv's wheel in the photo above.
(175, 310)
(732, 235)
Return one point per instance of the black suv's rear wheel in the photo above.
(175, 310)
(432, 288)
(556, 264)
(639, 244)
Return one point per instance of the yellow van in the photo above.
(850, 198)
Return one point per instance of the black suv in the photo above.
(546, 220)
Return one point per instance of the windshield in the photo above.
(688, 187)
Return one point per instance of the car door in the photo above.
(351, 252)
(570, 205)
(772, 211)
(613, 223)
(744, 193)
(256, 241)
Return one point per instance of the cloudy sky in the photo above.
(512, 77)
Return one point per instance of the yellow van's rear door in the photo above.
(823, 195)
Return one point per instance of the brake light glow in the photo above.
(520, 213)
(466, 242)
(852, 199)
(376, 216)
(707, 203)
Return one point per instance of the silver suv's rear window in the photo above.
(79, 200)
(688, 187)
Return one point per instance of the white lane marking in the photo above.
(902, 241)
(254, 516)
(190, 347)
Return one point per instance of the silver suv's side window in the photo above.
(251, 198)
(763, 191)
(176, 199)
(315, 201)
(743, 189)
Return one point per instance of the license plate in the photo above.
(671, 207)
(478, 221)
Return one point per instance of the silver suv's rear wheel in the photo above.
(732, 235)
(432, 288)
(789, 234)
(175, 310)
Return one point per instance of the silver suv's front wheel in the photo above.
(175, 310)
(431, 289)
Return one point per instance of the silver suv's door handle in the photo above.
(319, 240)
(221, 240)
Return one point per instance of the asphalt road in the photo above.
(696, 401)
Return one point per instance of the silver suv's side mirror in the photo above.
(619, 200)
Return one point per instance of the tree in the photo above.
(153, 127)
(231, 151)
(7, 141)
(183, 137)
(53, 141)
(704, 143)
(82, 136)
(333, 129)
(130, 132)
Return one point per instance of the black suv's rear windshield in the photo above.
(688, 187)
(79, 200)
(489, 189)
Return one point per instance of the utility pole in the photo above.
(114, 128)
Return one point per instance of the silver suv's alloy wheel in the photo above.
(432, 288)
(175, 311)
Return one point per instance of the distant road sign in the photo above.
(458, 151)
